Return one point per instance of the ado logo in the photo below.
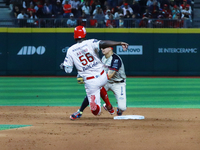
(30, 50)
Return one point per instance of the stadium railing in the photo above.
(92, 23)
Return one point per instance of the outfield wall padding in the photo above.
(163, 52)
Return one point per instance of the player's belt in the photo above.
(122, 81)
(92, 77)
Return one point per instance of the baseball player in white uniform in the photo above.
(114, 67)
(84, 55)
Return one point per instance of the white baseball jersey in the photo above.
(114, 62)
(85, 57)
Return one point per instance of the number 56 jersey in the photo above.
(85, 56)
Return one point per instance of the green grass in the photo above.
(11, 126)
(141, 92)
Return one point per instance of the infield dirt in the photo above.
(162, 129)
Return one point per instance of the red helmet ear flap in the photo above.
(79, 32)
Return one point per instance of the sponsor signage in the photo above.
(177, 50)
(64, 50)
(30, 50)
(132, 50)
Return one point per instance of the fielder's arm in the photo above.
(110, 74)
(107, 43)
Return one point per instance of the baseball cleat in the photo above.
(75, 115)
(111, 111)
(119, 112)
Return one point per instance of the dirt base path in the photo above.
(162, 129)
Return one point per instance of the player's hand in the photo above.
(124, 46)
(62, 66)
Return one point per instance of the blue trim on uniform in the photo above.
(116, 63)
(69, 66)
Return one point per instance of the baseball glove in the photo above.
(80, 79)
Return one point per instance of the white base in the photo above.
(129, 117)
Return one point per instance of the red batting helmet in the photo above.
(79, 32)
